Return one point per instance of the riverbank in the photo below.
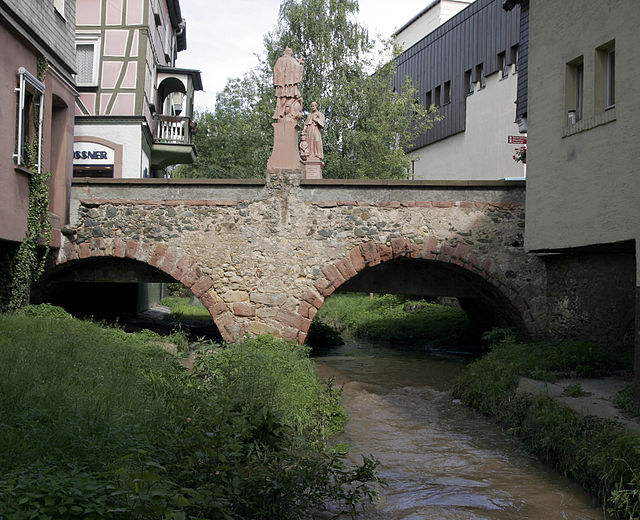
(394, 318)
(508, 384)
(97, 423)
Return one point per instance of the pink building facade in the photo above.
(135, 108)
(33, 35)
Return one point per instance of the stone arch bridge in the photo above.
(262, 255)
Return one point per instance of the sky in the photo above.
(224, 35)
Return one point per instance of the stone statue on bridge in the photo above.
(287, 74)
(311, 148)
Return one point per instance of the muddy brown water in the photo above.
(441, 460)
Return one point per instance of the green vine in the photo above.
(26, 264)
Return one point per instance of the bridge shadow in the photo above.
(117, 290)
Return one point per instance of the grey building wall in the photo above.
(47, 27)
(583, 184)
(476, 35)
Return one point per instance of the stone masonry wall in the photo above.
(265, 263)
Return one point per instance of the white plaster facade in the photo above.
(482, 150)
(429, 19)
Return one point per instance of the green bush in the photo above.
(394, 318)
(97, 423)
(598, 453)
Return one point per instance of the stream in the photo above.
(441, 460)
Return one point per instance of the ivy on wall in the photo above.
(22, 266)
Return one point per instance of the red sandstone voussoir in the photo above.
(157, 254)
(131, 248)
(333, 275)
(168, 261)
(462, 252)
(313, 298)
(225, 323)
(207, 300)
(293, 320)
(143, 252)
(119, 248)
(444, 253)
(370, 253)
(312, 313)
(357, 260)
(324, 287)
(189, 278)
(400, 246)
(70, 251)
(304, 308)
(385, 252)
(302, 336)
(218, 309)
(201, 286)
(346, 268)
(84, 250)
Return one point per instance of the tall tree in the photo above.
(367, 123)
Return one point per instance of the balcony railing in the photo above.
(172, 130)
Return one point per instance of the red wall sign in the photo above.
(516, 139)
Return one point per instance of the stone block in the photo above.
(201, 286)
(324, 287)
(333, 275)
(131, 248)
(244, 309)
(385, 252)
(168, 261)
(346, 268)
(357, 260)
(84, 250)
(370, 253)
(312, 313)
(313, 298)
(189, 278)
(302, 336)
(303, 309)
(258, 328)
(119, 247)
(236, 296)
(267, 312)
(270, 299)
(293, 320)
(157, 255)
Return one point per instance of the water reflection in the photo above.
(441, 460)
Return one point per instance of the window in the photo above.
(30, 100)
(502, 63)
(59, 6)
(447, 93)
(87, 62)
(427, 100)
(436, 96)
(480, 77)
(468, 82)
(574, 90)
(605, 77)
(515, 55)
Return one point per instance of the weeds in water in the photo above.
(574, 390)
(624, 400)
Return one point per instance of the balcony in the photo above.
(172, 126)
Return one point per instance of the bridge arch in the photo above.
(458, 259)
(179, 266)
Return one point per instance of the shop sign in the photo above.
(92, 154)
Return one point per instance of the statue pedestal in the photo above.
(285, 155)
(313, 168)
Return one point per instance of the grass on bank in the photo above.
(182, 310)
(393, 318)
(96, 423)
(600, 454)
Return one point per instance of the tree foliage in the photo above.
(368, 124)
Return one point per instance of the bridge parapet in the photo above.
(262, 256)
